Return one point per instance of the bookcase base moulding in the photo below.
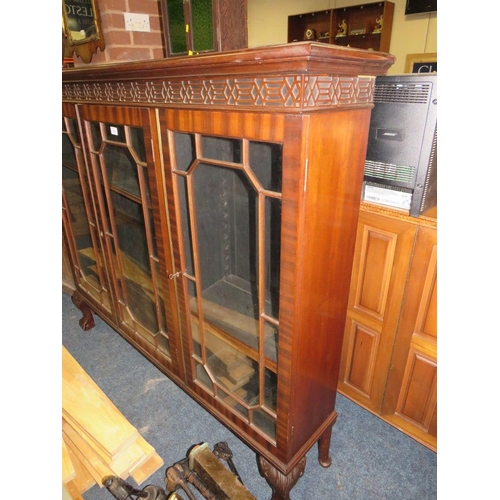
(210, 206)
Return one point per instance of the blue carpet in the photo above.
(371, 460)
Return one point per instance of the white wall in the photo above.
(268, 25)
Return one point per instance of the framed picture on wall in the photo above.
(82, 28)
(421, 63)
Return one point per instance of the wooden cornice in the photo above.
(290, 77)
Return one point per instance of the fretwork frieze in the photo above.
(283, 92)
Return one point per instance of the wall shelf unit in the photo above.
(366, 26)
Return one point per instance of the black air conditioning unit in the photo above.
(401, 158)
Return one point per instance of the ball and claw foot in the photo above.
(280, 483)
(87, 321)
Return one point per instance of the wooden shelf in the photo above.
(359, 21)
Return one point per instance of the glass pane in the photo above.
(176, 26)
(137, 143)
(265, 422)
(184, 151)
(221, 148)
(162, 327)
(153, 239)
(272, 254)
(202, 376)
(121, 169)
(232, 402)
(229, 367)
(271, 341)
(227, 230)
(270, 386)
(186, 224)
(139, 292)
(73, 130)
(115, 132)
(141, 305)
(129, 222)
(163, 344)
(130, 231)
(95, 134)
(266, 161)
(79, 223)
(196, 338)
(68, 153)
(201, 13)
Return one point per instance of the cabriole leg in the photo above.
(87, 321)
(280, 483)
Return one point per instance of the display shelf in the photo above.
(365, 26)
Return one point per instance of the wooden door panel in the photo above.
(381, 262)
(376, 261)
(427, 312)
(418, 397)
(362, 353)
(410, 401)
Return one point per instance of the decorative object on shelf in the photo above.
(309, 34)
(82, 27)
(380, 24)
(357, 28)
(342, 29)
(367, 26)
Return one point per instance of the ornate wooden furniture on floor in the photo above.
(210, 207)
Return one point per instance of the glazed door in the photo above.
(226, 174)
(120, 152)
(79, 222)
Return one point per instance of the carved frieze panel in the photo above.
(294, 92)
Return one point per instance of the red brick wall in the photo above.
(122, 45)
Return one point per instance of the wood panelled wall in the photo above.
(389, 359)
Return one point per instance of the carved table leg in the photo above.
(280, 483)
(87, 321)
